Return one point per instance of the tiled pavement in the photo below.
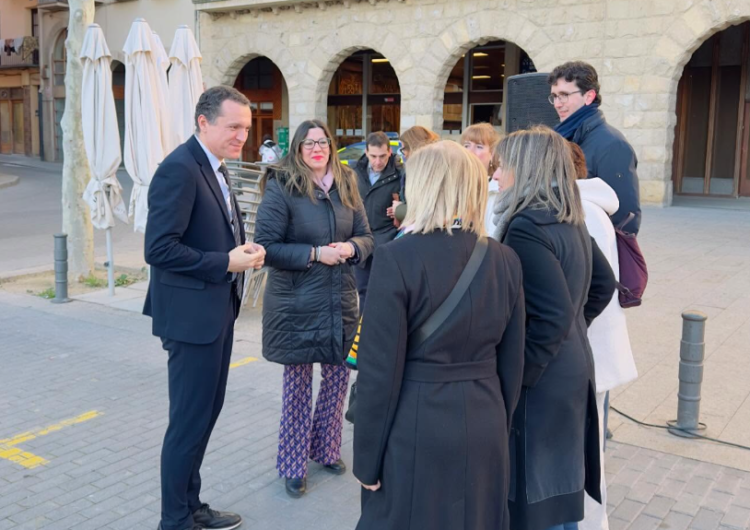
(59, 362)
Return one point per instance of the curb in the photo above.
(6, 181)
(9, 275)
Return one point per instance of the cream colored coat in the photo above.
(608, 334)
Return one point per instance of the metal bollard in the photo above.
(692, 352)
(61, 269)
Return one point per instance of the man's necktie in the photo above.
(234, 215)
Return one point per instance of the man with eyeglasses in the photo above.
(576, 97)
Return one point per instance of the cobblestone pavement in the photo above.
(100, 369)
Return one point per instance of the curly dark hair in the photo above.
(583, 74)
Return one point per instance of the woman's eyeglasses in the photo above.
(324, 144)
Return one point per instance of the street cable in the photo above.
(686, 431)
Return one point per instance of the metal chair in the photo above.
(246, 187)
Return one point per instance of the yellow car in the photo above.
(352, 153)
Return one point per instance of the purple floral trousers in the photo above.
(302, 435)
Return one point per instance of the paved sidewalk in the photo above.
(698, 259)
(100, 368)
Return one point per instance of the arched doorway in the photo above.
(364, 96)
(476, 85)
(712, 134)
(263, 83)
(59, 66)
(118, 90)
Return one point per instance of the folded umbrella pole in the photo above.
(101, 138)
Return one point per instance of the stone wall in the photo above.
(639, 48)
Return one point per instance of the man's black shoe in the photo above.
(337, 468)
(296, 487)
(195, 527)
(210, 519)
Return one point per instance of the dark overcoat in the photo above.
(378, 197)
(610, 157)
(432, 421)
(554, 441)
(309, 309)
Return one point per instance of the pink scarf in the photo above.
(327, 181)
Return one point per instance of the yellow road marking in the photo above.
(9, 451)
(243, 362)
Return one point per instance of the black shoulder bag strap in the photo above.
(431, 325)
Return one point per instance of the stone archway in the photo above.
(264, 84)
(671, 53)
(476, 29)
(333, 50)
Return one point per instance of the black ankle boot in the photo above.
(296, 487)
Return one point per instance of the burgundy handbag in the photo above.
(633, 270)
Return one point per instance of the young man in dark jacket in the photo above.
(379, 178)
(576, 97)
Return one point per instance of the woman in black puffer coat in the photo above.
(312, 223)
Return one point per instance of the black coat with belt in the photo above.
(555, 437)
(378, 197)
(432, 421)
(309, 309)
(187, 243)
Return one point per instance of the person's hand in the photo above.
(329, 256)
(260, 255)
(391, 212)
(376, 487)
(345, 250)
(245, 257)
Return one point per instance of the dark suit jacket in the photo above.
(187, 244)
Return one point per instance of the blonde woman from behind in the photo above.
(431, 436)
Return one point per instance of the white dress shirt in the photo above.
(215, 165)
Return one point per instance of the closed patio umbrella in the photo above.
(185, 84)
(102, 139)
(162, 61)
(145, 105)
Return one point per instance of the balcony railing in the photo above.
(18, 59)
(53, 5)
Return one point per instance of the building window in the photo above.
(364, 96)
(34, 22)
(475, 88)
(59, 59)
(257, 74)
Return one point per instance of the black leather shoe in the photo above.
(205, 517)
(296, 487)
(337, 468)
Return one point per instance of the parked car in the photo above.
(352, 153)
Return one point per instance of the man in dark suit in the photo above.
(195, 244)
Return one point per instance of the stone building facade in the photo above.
(639, 47)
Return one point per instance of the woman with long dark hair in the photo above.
(312, 223)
